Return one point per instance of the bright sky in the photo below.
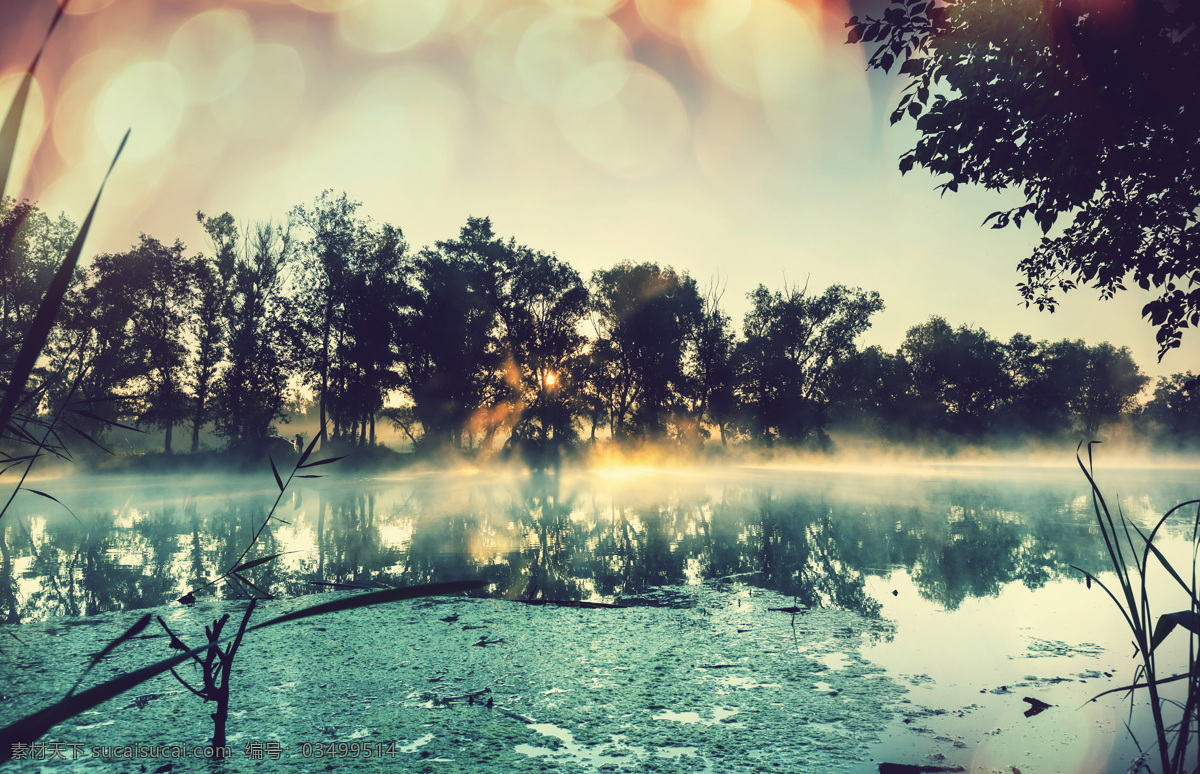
(737, 139)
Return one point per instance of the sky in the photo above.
(740, 141)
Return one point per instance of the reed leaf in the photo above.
(43, 320)
(16, 110)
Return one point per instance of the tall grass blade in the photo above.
(16, 111)
(1167, 622)
(278, 480)
(322, 462)
(43, 321)
(55, 499)
(309, 449)
(257, 562)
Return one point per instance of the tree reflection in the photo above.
(541, 538)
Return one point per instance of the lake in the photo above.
(952, 582)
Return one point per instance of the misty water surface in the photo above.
(817, 535)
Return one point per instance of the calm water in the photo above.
(970, 563)
(959, 533)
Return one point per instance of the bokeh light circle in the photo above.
(623, 117)
(557, 47)
(386, 26)
(764, 49)
(147, 97)
(203, 44)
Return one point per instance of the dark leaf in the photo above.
(377, 598)
(1188, 619)
(278, 480)
(43, 320)
(257, 562)
(322, 462)
(55, 499)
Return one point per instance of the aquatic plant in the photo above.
(1130, 549)
(217, 663)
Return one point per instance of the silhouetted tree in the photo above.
(643, 316)
(450, 364)
(1085, 108)
(363, 369)
(252, 389)
(957, 377)
(165, 295)
(1174, 412)
(32, 246)
(214, 281)
(321, 286)
(540, 302)
(709, 366)
(792, 343)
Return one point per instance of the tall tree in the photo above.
(643, 317)
(957, 377)
(1088, 108)
(793, 341)
(366, 354)
(165, 296)
(252, 389)
(334, 234)
(214, 283)
(450, 364)
(540, 302)
(710, 365)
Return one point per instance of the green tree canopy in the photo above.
(1088, 108)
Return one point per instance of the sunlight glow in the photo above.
(147, 97)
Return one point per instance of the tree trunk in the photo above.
(167, 446)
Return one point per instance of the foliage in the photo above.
(642, 315)
(1082, 106)
(793, 341)
(1130, 558)
(252, 389)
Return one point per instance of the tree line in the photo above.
(478, 342)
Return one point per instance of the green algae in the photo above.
(571, 689)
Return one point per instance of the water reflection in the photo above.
(814, 536)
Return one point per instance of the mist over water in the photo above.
(814, 532)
